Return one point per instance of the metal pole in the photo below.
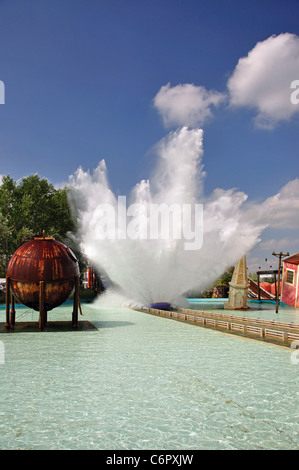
(279, 256)
(76, 304)
(12, 310)
(278, 283)
(41, 304)
(7, 300)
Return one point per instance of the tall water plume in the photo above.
(146, 269)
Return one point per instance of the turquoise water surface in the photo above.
(265, 310)
(138, 381)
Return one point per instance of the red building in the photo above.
(290, 281)
(91, 280)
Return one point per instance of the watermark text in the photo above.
(295, 354)
(151, 221)
(295, 94)
(155, 459)
(2, 92)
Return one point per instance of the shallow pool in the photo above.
(137, 381)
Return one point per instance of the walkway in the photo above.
(286, 334)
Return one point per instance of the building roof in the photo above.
(294, 259)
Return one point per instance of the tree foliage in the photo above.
(29, 206)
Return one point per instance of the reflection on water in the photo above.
(138, 381)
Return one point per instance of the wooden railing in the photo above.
(268, 330)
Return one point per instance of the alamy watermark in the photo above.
(151, 221)
(2, 92)
(295, 354)
(295, 94)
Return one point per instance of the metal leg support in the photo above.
(76, 304)
(41, 305)
(7, 323)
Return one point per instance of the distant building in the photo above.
(91, 280)
(290, 281)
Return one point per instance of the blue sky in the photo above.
(81, 78)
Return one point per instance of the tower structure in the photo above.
(238, 287)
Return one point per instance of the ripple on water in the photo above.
(148, 383)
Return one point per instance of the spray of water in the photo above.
(145, 270)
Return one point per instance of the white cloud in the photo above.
(186, 104)
(283, 243)
(282, 210)
(279, 214)
(262, 80)
(265, 80)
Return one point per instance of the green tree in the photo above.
(4, 244)
(253, 276)
(29, 206)
(222, 283)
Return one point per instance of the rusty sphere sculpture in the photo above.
(42, 259)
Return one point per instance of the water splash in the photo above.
(147, 270)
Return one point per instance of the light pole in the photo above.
(279, 256)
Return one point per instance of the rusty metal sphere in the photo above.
(42, 259)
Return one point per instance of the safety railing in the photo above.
(254, 327)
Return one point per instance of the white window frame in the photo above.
(286, 277)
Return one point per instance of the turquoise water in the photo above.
(265, 310)
(143, 382)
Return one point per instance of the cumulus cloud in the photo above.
(279, 213)
(284, 243)
(262, 80)
(281, 210)
(186, 104)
